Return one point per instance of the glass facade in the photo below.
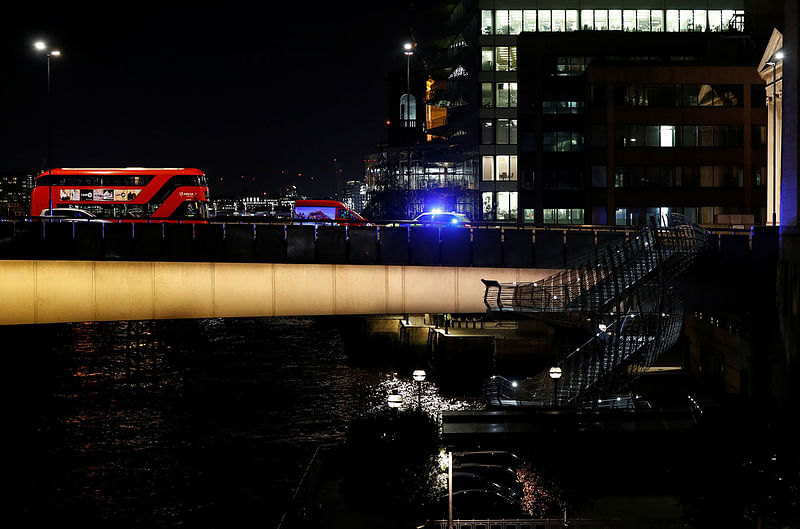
(679, 176)
(514, 21)
(499, 99)
(679, 136)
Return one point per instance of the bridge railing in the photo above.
(511, 247)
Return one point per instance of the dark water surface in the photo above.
(194, 423)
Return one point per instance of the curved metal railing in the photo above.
(622, 296)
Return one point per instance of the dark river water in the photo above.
(195, 423)
(211, 423)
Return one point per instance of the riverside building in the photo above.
(589, 112)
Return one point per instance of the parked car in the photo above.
(472, 480)
(500, 474)
(70, 215)
(436, 219)
(503, 458)
(480, 504)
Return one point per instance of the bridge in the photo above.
(73, 271)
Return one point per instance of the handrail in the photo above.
(625, 294)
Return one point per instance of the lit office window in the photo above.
(529, 20)
(572, 20)
(715, 20)
(515, 22)
(506, 95)
(528, 215)
(621, 216)
(487, 205)
(601, 19)
(562, 141)
(506, 58)
(699, 20)
(657, 20)
(487, 165)
(728, 19)
(506, 132)
(672, 20)
(643, 20)
(559, 20)
(506, 167)
(506, 205)
(487, 59)
(544, 20)
(667, 136)
(501, 22)
(615, 19)
(487, 97)
(629, 19)
(587, 19)
(687, 20)
(487, 22)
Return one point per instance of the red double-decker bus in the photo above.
(127, 194)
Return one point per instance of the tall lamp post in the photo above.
(49, 52)
(774, 63)
(419, 377)
(408, 50)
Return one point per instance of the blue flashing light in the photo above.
(436, 210)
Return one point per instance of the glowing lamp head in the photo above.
(419, 375)
(395, 400)
(39, 45)
(602, 327)
(555, 372)
(779, 55)
(55, 53)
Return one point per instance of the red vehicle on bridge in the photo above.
(130, 194)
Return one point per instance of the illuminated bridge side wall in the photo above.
(37, 291)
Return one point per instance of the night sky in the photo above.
(263, 93)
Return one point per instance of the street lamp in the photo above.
(49, 52)
(449, 490)
(408, 50)
(774, 63)
(419, 376)
(394, 400)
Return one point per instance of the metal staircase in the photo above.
(621, 299)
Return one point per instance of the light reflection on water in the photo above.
(185, 422)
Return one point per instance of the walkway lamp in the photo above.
(49, 52)
(394, 400)
(419, 377)
(449, 490)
